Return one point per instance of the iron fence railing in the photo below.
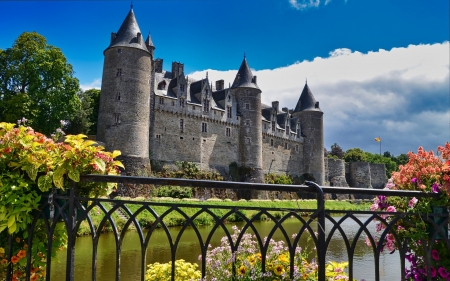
(321, 225)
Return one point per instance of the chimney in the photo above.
(220, 85)
(284, 109)
(275, 105)
(175, 66)
(113, 36)
(158, 65)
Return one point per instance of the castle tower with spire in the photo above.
(311, 122)
(248, 98)
(124, 113)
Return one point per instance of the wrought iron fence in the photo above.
(320, 225)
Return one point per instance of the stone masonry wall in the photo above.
(378, 175)
(280, 160)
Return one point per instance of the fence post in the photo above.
(70, 263)
(320, 229)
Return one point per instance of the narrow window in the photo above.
(161, 100)
(273, 126)
(247, 140)
(285, 145)
(181, 125)
(229, 112)
(265, 126)
(228, 132)
(182, 87)
(193, 107)
(205, 105)
(247, 106)
(173, 103)
(271, 142)
(119, 51)
(287, 130)
(116, 118)
(119, 72)
(158, 137)
(118, 96)
(181, 102)
(296, 147)
(204, 127)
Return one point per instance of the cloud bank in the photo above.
(305, 4)
(401, 95)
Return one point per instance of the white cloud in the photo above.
(304, 4)
(96, 84)
(401, 95)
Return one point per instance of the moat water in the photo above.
(189, 250)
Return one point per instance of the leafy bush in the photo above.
(173, 191)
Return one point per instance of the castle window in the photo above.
(271, 142)
(229, 112)
(181, 102)
(119, 51)
(265, 126)
(162, 85)
(158, 137)
(119, 72)
(116, 118)
(204, 127)
(182, 87)
(205, 105)
(181, 124)
(161, 100)
(287, 130)
(273, 126)
(118, 96)
(296, 147)
(193, 107)
(285, 145)
(247, 140)
(173, 103)
(229, 97)
(228, 132)
(247, 106)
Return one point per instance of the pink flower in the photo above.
(374, 207)
(412, 202)
(391, 209)
(443, 272)
(435, 255)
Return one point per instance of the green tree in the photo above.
(355, 155)
(85, 119)
(336, 151)
(390, 164)
(37, 82)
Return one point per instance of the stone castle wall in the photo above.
(378, 175)
(284, 156)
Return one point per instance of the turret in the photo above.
(311, 121)
(248, 97)
(123, 120)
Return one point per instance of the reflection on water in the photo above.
(189, 250)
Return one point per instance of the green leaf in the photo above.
(45, 182)
(58, 177)
(74, 175)
(11, 221)
(100, 164)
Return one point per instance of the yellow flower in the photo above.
(242, 270)
(279, 269)
(283, 258)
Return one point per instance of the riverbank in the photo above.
(146, 219)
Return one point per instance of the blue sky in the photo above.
(378, 67)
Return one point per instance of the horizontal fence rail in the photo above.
(318, 225)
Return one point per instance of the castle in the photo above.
(164, 116)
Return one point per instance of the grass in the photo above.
(174, 218)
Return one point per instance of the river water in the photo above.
(189, 250)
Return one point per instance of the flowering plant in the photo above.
(184, 271)
(428, 173)
(248, 262)
(31, 163)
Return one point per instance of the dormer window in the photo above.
(205, 105)
(229, 115)
(162, 85)
(181, 102)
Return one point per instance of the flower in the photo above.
(435, 255)
(412, 202)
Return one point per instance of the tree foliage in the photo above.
(37, 82)
(355, 155)
(336, 151)
(84, 120)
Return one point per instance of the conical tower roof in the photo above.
(127, 36)
(244, 77)
(306, 101)
(149, 41)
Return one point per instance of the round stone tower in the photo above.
(311, 122)
(248, 97)
(123, 119)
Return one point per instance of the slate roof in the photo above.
(266, 112)
(219, 98)
(195, 91)
(306, 101)
(149, 41)
(172, 84)
(127, 34)
(244, 77)
(281, 119)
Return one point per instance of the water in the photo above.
(189, 250)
